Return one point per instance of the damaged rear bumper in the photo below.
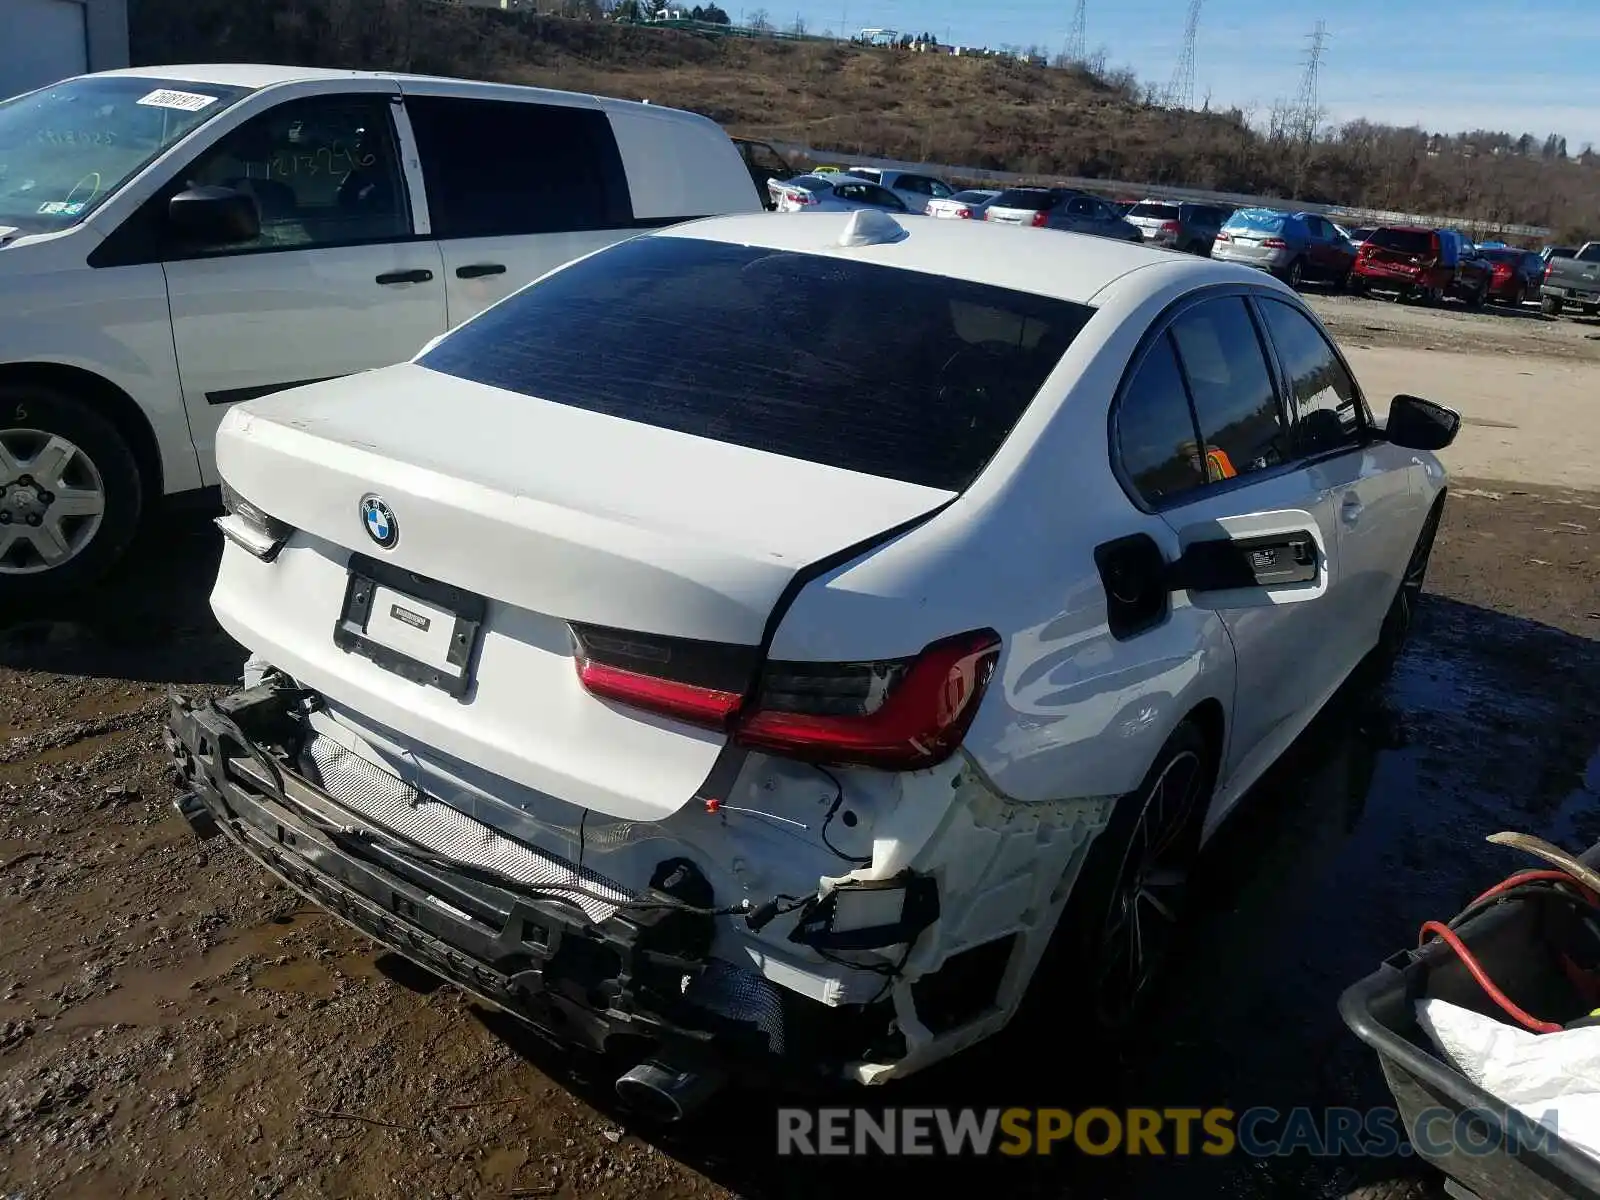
(640, 983)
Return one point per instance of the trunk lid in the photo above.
(551, 514)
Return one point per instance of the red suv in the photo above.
(1423, 264)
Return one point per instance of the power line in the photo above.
(1308, 107)
(1180, 92)
(1077, 49)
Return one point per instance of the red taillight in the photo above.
(1039, 218)
(1223, 237)
(964, 213)
(686, 701)
(921, 719)
(1171, 227)
(899, 714)
(1549, 266)
(1275, 244)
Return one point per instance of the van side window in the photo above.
(324, 172)
(1234, 398)
(1327, 406)
(501, 168)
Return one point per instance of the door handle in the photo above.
(417, 276)
(1350, 510)
(479, 270)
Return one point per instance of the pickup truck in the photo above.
(1574, 280)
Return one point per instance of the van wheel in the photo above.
(1124, 912)
(1550, 306)
(1295, 274)
(70, 493)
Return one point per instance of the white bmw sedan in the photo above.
(628, 660)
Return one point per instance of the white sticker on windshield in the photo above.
(185, 101)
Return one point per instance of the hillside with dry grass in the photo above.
(989, 113)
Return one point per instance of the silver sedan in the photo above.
(832, 193)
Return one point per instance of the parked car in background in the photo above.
(623, 752)
(179, 239)
(834, 193)
(1060, 208)
(1515, 275)
(969, 205)
(1358, 236)
(913, 187)
(1574, 280)
(1415, 263)
(764, 163)
(1182, 225)
(1294, 246)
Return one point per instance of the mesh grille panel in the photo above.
(395, 805)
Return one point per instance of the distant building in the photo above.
(42, 41)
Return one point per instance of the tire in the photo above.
(1478, 297)
(90, 497)
(1147, 850)
(1401, 617)
(1550, 306)
(1520, 296)
(1295, 273)
(1352, 283)
(1590, 310)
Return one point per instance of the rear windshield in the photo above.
(972, 197)
(1257, 221)
(1510, 257)
(870, 174)
(1590, 253)
(1032, 201)
(1167, 212)
(854, 365)
(1403, 241)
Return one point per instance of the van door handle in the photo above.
(417, 276)
(479, 270)
(1350, 510)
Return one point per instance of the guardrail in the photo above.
(1344, 214)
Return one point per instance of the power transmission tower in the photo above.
(1077, 50)
(1308, 108)
(1180, 92)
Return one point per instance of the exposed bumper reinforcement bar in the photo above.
(616, 986)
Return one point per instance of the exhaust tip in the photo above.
(664, 1093)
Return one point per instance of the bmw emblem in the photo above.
(379, 520)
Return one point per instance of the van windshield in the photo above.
(65, 149)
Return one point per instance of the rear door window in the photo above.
(1156, 440)
(768, 349)
(1327, 406)
(497, 168)
(1235, 402)
(1164, 212)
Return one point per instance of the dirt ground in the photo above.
(172, 1023)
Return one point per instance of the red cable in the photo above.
(1448, 936)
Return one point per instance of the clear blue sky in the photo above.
(1525, 66)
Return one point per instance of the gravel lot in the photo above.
(174, 1024)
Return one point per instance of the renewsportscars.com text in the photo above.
(1178, 1132)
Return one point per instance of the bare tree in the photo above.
(759, 20)
(799, 26)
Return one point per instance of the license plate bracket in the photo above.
(376, 600)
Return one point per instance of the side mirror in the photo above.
(1419, 424)
(214, 216)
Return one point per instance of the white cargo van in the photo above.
(174, 240)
